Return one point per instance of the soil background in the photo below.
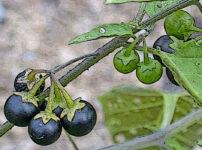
(35, 34)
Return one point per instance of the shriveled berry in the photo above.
(18, 112)
(20, 83)
(44, 134)
(83, 121)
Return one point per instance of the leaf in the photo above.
(131, 111)
(105, 30)
(125, 1)
(156, 7)
(186, 66)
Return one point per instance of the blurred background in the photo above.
(34, 34)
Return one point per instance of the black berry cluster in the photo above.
(45, 121)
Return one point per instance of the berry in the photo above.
(21, 85)
(180, 24)
(126, 64)
(163, 42)
(83, 121)
(44, 134)
(171, 77)
(149, 73)
(18, 112)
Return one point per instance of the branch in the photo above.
(104, 51)
(5, 127)
(158, 138)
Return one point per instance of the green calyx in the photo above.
(149, 73)
(180, 24)
(77, 105)
(126, 64)
(26, 97)
(150, 70)
(46, 117)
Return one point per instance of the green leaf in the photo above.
(125, 1)
(132, 111)
(156, 7)
(186, 66)
(105, 30)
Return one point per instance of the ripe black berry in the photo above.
(171, 77)
(20, 83)
(44, 134)
(18, 112)
(83, 122)
(163, 42)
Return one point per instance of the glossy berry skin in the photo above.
(163, 42)
(171, 77)
(19, 113)
(122, 67)
(149, 73)
(83, 122)
(44, 134)
(22, 87)
(176, 22)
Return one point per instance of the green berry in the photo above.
(149, 73)
(126, 64)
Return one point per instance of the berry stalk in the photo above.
(146, 57)
(130, 48)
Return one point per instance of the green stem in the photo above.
(146, 57)
(58, 96)
(130, 48)
(72, 141)
(141, 12)
(5, 127)
(169, 106)
(37, 85)
(67, 97)
(192, 28)
(49, 107)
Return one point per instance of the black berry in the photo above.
(20, 83)
(44, 134)
(163, 42)
(83, 122)
(18, 112)
(171, 77)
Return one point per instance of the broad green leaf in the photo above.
(186, 66)
(156, 7)
(105, 30)
(131, 111)
(125, 1)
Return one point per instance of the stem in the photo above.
(49, 107)
(60, 67)
(160, 136)
(67, 97)
(72, 141)
(130, 48)
(58, 96)
(5, 127)
(168, 109)
(192, 28)
(198, 4)
(37, 85)
(140, 13)
(146, 57)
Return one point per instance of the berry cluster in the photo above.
(45, 121)
(150, 71)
